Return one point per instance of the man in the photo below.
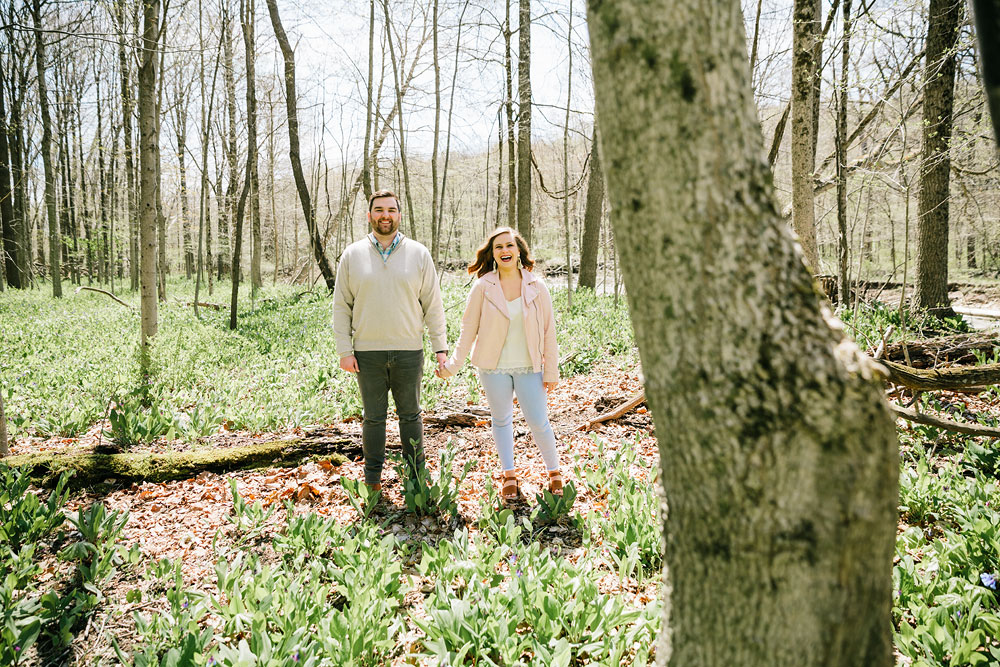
(386, 292)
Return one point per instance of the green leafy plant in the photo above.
(424, 496)
(132, 424)
(552, 508)
(361, 497)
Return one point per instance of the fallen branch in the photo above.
(470, 417)
(92, 469)
(965, 379)
(205, 304)
(946, 424)
(105, 293)
(615, 413)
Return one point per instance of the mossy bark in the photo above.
(778, 456)
(92, 469)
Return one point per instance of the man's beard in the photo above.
(379, 225)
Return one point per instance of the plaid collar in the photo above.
(385, 252)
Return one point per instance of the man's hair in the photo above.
(379, 194)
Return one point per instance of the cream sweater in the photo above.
(385, 305)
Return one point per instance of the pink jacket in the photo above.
(486, 321)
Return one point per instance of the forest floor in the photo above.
(189, 521)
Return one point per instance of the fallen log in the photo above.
(977, 312)
(946, 424)
(92, 469)
(615, 413)
(964, 379)
(958, 349)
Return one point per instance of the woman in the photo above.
(509, 326)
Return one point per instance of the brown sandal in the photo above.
(511, 489)
(555, 483)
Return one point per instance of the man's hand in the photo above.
(442, 359)
(349, 363)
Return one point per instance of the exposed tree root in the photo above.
(946, 424)
(615, 413)
(93, 469)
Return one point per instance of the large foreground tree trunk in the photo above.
(291, 104)
(778, 455)
(944, 17)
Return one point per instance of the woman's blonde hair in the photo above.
(484, 262)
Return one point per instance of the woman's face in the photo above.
(505, 251)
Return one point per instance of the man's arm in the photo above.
(430, 303)
(343, 309)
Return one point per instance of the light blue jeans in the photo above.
(500, 389)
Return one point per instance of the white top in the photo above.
(515, 348)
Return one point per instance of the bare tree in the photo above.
(149, 149)
(804, 71)
(782, 459)
(524, 120)
(944, 18)
(319, 254)
(592, 216)
(50, 169)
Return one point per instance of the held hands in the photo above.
(441, 371)
(349, 363)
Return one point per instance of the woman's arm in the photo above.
(550, 348)
(470, 329)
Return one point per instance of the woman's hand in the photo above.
(549, 386)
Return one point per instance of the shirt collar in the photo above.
(385, 252)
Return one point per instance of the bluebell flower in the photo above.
(989, 580)
(295, 656)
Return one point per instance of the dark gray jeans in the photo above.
(379, 372)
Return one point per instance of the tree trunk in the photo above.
(248, 15)
(49, 168)
(931, 289)
(180, 118)
(4, 449)
(226, 238)
(511, 159)
(149, 149)
(162, 267)
(291, 102)
(843, 286)
(19, 76)
(124, 66)
(366, 169)
(780, 463)
(9, 248)
(399, 117)
(524, 121)
(566, 195)
(592, 215)
(435, 212)
(804, 69)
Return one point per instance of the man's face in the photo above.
(384, 216)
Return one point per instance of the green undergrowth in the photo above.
(68, 363)
(292, 587)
